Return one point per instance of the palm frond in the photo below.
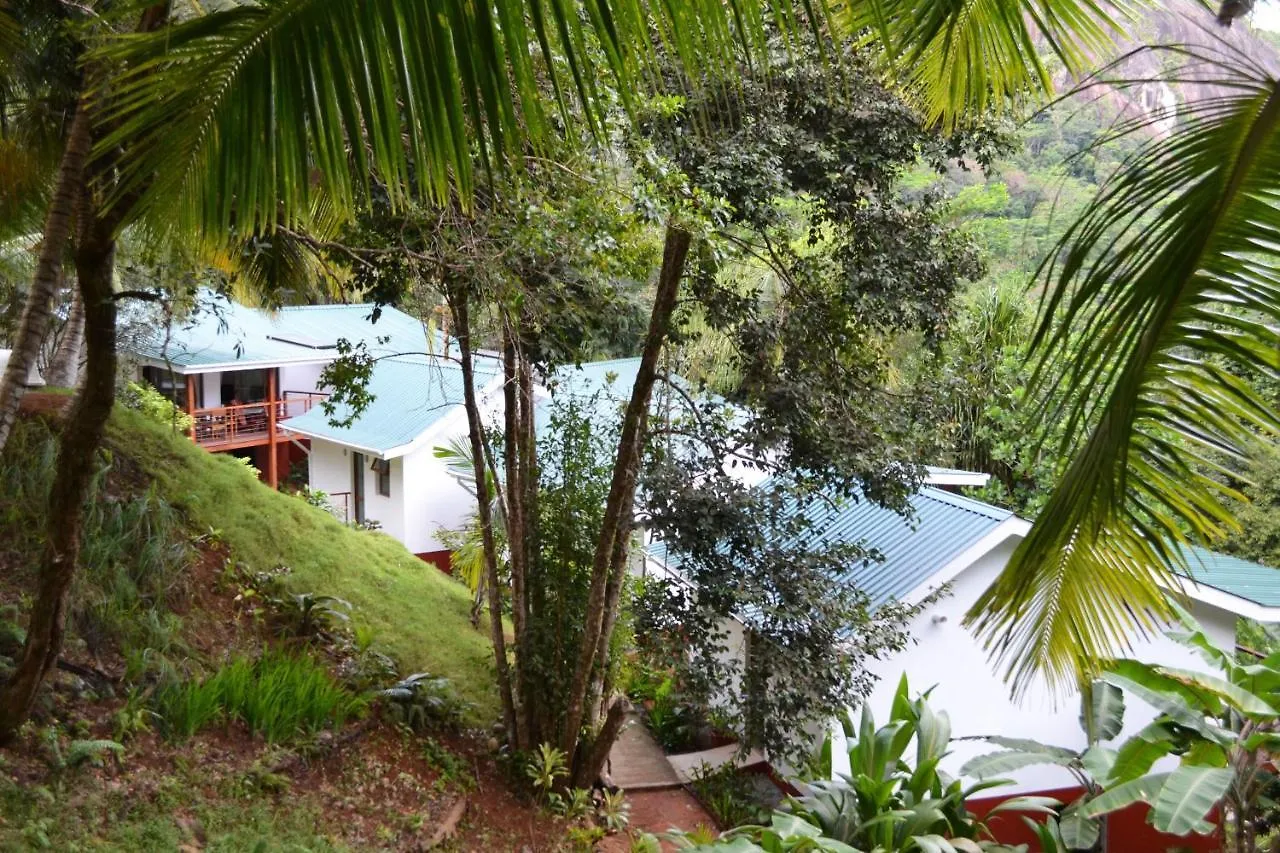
(241, 116)
(963, 57)
(247, 112)
(1162, 296)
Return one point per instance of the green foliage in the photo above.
(452, 769)
(305, 614)
(887, 804)
(727, 793)
(1169, 310)
(421, 617)
(422, 700)
(278, 696)
(92, 752)
(1102, 719)
(1221, 725)
(615, 811)
(152, 404)
(135, 549)
(544, 768)
(575, 804)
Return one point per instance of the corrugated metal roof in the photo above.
(409, 395)
(911, 550)
(234, 334)
(1233, 575)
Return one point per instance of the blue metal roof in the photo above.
(409, 395)
(231, 336)
(911, 550)
(1233, 575)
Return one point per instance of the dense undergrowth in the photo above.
(222, 638)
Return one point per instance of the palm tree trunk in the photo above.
(617, 516)
(81, 435)
(44, 284)
(64, 367)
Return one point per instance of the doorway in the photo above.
(357, 486)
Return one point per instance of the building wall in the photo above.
(946, 657)
(300, 377)
(329, 468)
(211, 383)
(436, 500)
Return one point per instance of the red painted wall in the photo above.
(1127, 830)
(439, 559)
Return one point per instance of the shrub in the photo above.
(422, 700)
(135, 545)
(729, 795)
(278, 696)
(143, 398)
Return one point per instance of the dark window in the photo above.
(244, 386)
(172, 385)
(383, 469)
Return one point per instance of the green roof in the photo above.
(907, 551)
(231, 336)
(1233, 575)
(410, 395)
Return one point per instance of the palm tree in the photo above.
(46, 138)
(1171, 314)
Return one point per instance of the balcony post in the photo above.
(272, 473)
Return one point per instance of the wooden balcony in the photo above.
(249, 424)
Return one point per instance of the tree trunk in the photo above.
(614, 719)
(617, 516)
(475, 432)
(44, 284)
(514, 461)
(81, 435)
(64, 367)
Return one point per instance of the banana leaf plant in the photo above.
(1102, 719)
(1222, 724)
(894, 799)
(467, 553)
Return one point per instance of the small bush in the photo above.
(422, 700)
(277, 696)
(729, 795)
(143, 398)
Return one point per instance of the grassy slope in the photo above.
(418, 615)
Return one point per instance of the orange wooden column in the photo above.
(273, 478)
(191, 403)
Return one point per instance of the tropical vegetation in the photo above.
(771, 200)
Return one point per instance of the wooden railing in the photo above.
(299, 402)
(248, 423)
(242, 423)
(340, 506)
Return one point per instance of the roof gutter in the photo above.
(1222, 600)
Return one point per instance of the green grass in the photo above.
(278, 696)
(418, 615)
(85, 816)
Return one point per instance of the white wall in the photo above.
(971, 691)
(329, 468)
(435, 500)
(389, 511)
(299, 377)
(211, 383)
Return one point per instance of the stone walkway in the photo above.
(637, 762)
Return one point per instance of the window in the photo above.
(172, 385)
(382, 467)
